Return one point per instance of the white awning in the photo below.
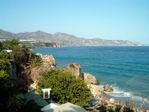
(69, 107)
(49, 108)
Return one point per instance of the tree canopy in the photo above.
(65, 87)
(10, 87)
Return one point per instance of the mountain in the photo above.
(64, 39)
(6, 35)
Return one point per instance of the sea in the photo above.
(126, 68)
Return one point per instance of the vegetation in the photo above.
(10, 44)
(65, 87)
(3, 74)
(10, 86)
(36, 60)
(9, 102)
(4, 61)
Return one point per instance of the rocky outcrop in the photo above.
(90, 79)
(95, 90)
(35, 73)
(108, 88)
(74, 69)
(48, 59)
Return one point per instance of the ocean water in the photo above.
(125, 68)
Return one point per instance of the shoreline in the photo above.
(123, 97)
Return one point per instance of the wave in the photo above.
(122, 95)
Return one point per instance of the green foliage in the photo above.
(4, 64)
(4, 55)
(35, 63)
(65, 87)
(36, 60)
(3, 74)
(20, 54)
(4, 61)
(9, 87)
(10, 44)
(1, 46)
(9, 101)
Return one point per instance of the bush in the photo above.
(10, 44)
(20, 54)
(4, 64)
(65, 87)
(3, 74)
(36, 60)
(4, 55)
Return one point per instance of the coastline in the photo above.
(126, 96)
(123, 96)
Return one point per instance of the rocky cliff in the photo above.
(90, 80)
(48, 63)
(74, 69)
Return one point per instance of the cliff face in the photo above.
(74, 69)
(34, 44)
(90, 80)
(48, 59)
(48, 63)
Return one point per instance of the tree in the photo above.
(10, 87)
(65, 87)
(9, 99)
(10, 44)
(4, 61)
(1, 46)
(3, 74)
(4, 55)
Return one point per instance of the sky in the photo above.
(107, 19)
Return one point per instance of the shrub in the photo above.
(4, 64)
(10, 44)
(3, 74)
(36, 60)
(65, 87)
(4, 55)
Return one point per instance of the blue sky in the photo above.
(107, 19)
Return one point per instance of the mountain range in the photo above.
(63, 39)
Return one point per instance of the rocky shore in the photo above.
(99, 92)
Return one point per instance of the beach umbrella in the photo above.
(69, 107)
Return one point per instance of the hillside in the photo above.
(64, 39)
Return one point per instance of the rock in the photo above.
(48, 59)
(95, 90)
(74, 69)
(36, 72)
(108, 88)
(90, 79)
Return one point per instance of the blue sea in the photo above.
(125, 68)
